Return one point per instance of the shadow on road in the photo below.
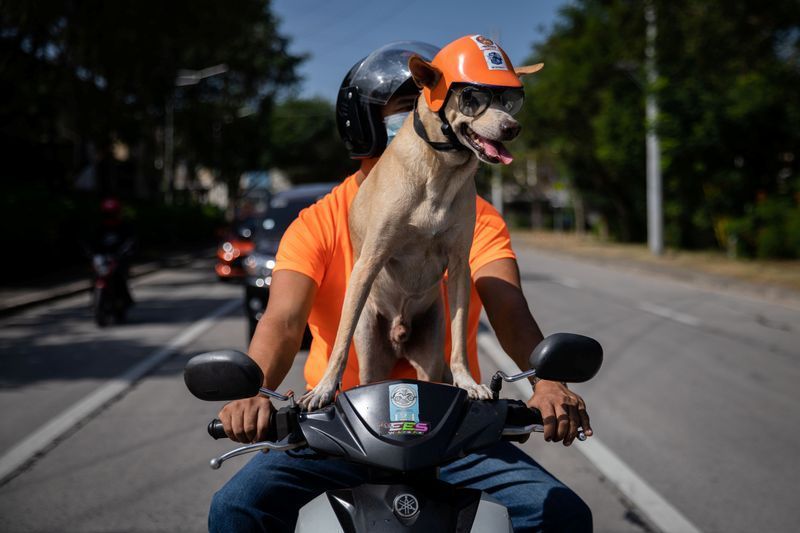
(65, 344)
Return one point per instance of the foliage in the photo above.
(305, 143)
(729, 117)
(80, 76)
(45, 233)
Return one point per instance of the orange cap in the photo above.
(471, 59)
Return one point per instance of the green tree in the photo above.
(305, 143)
(582, 109)
(729, 107)
(78, 76)
(731, 119)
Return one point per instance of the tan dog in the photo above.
(411, 220)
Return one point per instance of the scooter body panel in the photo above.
(391, 508)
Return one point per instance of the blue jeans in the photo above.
(267, 493)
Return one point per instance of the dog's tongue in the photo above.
(498, 151)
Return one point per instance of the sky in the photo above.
(337, 33)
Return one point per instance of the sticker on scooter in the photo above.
(404, 428)
(403, 403)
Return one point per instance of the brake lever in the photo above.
(216, 462)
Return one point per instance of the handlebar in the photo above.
(520, 419)
(284, 432)
(216, 429)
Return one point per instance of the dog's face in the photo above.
(483, 133)
(481, 117)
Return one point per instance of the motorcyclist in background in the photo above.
(308, 285)
(115, 237)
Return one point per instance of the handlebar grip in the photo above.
(520, 414)
(216, 429)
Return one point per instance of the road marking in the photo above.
(568, 282)
(655, 507)
(39, 440)
(666, 312)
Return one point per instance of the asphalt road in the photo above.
(696, 395)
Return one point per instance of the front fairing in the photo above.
(404, 425)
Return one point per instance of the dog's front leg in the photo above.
(458, 289)
(365, 270)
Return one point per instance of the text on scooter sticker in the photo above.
(404, 428)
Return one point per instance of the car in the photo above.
(283, 209)
(234, 249)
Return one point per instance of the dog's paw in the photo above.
(479, 392)
(318, 397)
(474, 390)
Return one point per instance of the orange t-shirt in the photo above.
(318, 245)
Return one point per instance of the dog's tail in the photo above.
(400, 331)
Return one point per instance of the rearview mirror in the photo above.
(567, 357)
(223, 375)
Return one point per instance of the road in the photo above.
(696, 396)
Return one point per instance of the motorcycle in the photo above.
(402, 430)
(110, 299)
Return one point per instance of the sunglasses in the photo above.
(474, 100)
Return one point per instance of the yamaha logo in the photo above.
(406, 506)
(404, 397)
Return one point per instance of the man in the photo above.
(308, 285)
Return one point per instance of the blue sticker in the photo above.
(403, 403)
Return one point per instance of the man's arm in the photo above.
(498, 284)
(275, 343)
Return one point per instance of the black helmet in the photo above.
(368, 86)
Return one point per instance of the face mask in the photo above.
(393, 123)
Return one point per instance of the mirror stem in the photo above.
(273, 394)
(500, 376)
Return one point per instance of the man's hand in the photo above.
(247, 420)
(563, 412)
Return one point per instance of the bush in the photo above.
(770, 229)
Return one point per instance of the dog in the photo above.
(411, 220)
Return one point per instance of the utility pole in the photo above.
(655, 217)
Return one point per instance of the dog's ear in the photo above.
(528, 69)
(424, 74)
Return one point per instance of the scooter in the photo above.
(108, 296)
(402, 430)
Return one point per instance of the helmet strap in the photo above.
(452, 144)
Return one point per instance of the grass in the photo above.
(775, 273)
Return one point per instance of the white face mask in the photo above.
(393, 123)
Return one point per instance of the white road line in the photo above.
(657, 509)
(38, 441)
(568, 282)
(666, 312)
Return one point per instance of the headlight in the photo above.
(259, 265)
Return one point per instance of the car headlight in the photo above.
(259, 265)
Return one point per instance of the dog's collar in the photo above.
(452, 144)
